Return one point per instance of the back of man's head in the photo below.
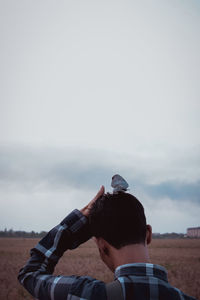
(119, 219)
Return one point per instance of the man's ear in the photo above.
(149, 234)
(102, 245)
(100, 242)
(94, 239)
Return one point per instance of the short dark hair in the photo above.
(119, 219)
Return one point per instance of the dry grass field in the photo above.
(181, 257)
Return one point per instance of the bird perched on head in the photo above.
(119, 184)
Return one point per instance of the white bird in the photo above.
(119, 184)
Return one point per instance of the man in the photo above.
(118, 223)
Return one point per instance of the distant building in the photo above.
(193, 232)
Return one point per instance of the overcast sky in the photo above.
(93, 88)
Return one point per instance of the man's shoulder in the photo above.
(174, 293)
(85, 287)
(184, 296)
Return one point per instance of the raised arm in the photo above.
(36, 276)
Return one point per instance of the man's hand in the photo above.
(85, 211)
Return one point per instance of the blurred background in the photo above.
(89, 89)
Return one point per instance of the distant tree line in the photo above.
(32, 234)
(23, 234)
(172, 235)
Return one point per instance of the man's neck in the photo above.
(137, 253)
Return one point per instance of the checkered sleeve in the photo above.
(36, 276)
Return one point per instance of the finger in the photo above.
(85, 211)
(100, 193)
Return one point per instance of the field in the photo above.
(181, 257)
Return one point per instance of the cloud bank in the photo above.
(49, 179)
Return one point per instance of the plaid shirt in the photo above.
(139, 281)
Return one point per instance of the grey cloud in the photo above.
(176, 190)
(30, 169)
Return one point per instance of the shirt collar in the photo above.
(141, 269)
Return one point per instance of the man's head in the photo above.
(118, 219)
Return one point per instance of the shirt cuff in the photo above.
(75, 220)
(69, 234)
(78, 225)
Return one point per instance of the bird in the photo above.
(119, 184)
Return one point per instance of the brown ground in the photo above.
(181, 257)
